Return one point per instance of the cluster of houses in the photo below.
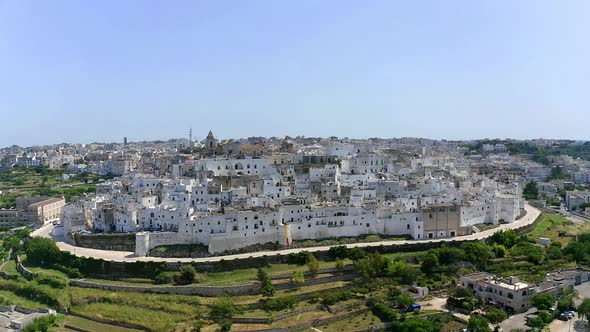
(236, 193)
(231, 195)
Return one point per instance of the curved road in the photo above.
(127, 256)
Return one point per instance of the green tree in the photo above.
(162, 278)
(186, 275)
(566, 301)
(478, 324)
(198, 325)
(262, 276)
(448, 255)
(584, 308)
(42, 251)
(530, 190)
(405, 300)
(402, 273)
(545, 316)
(224, 308)
(338, 252)
(506, 238)
(225, 324)
(42, 324)
(543, 301)
(393, 293)
(356, 253)
(372, 266)
(499, 251)
(536, 322)
(312, 264)
(416, 325)
(266, 287)
(430, 263)
(339, 265)
(477, 252)
(297, 278)
(495, 315)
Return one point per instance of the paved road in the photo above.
(127, 256)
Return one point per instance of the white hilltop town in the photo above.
(256, 193)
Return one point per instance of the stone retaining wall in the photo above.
(295, 312)
(116, 242)
(337, 309)
(308, 324)
(347, 268)
(316, 281)
(182, 290)
(108, 322)
(23, 270)
(208, 291)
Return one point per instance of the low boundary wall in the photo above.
(207, 291)
(108, 322)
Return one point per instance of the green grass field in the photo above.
(154, 319)
(11, 298)
(10, 267)
(361, 321)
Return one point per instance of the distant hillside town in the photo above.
(239, 193)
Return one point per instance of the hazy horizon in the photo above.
(82, 72)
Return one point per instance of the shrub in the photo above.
(71, 272)
(339, 265)
(224, 308)
(198, 325)
(312, 264)
(299, 258)
(53, 282)
(186, 275)
(225, 325)
(162, 278)
(34, 293)
(297, 278)
(41, 324)
(356, 253)
(338, 252)
(281, 303)
(331, 298)
(267, 289)
(384, 312)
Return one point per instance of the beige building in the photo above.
(10, 218)
(40, 209)
(514, 295)
(511, 294)
(442, 221)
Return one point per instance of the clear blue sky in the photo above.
(83, 71)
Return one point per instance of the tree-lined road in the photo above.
(127, 256)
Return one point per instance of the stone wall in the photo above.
(315, 281)
(23, 270)
(116, 242)
(146, 241)
(205, 290)
(183, 290)
(108, 322)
